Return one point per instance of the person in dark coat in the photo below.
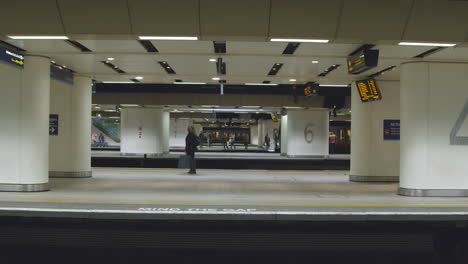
(191, 143)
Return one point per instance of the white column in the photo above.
(254, 134)
(178, 131)
(166, 124)
(284, 135)
(70, 152)
(261, 133)
(24, 111)
(434, 137)
(307, 132)
(143, 131)
(373, 158)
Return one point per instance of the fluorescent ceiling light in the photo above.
(226, 110)
(293, 107)
(129, 105)
(300, 40)
(110, 111)
(213, 60)
(116, 82)
(292, 80)
(215, 78)
(264, 84)
(251, 106)
(210, 106)
(110, 59)
(334, 85)
(139, 78)
(426, 44)
(166, 38)
(315, 62)
(38, 37)
(189, 83)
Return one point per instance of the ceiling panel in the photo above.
(104, 17)
(304, 18)
(43, 45)
(30, 17)
(437, 20)
(234, 18)
(170, 46)
(315, 49)
(403, 52)
(113, 45)
(165, 17)
(263, 48)
(373, 20)
(456, 54)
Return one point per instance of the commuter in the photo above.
(233, 141)
(246, 141)
(191, 143)
(332, 142)
(267, 141)
(101, 140)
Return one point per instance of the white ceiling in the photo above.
(245, 61)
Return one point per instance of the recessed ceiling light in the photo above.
(38, 37)
(110, 59)
(213, 60)
(427, 44)
(292, 80)
(300, 40)
(315, 62)
(139, 78)
(215, 78)
(166, 38)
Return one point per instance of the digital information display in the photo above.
(11, 57)
(362, 61)
(391, 129)
(368, 90)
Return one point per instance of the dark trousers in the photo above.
(192, 162)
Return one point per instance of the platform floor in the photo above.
(226, 195)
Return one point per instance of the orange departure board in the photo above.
(368, 90)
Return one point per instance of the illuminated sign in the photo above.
(362, 61)
(11, 57)
(368, 90)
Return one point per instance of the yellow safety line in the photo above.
(228, 203)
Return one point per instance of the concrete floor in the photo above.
(228, 194)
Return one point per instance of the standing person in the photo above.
(101, 140)
(191, 143)
(267, 141)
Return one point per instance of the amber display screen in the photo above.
(368, 90)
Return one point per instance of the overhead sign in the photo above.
(391, 129)
(368, 90)
(53, 124)
(60, 74)
(362, 61)
(11, 57)
(311, 89)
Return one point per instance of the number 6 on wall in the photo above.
(458, 140)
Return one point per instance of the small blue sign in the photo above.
(11, 57)
(391, 129)
(53, 124)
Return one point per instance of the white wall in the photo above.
(433, 96)
(150, 120)
(371, 155)
(178, 130)
(10, 116)
(317, 121)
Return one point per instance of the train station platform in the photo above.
(224, 160)
(172, 194)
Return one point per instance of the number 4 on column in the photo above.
(459, 140)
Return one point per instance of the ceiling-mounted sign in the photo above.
(368, 90)
(60, 74)
(362, 61)
(11, 57)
